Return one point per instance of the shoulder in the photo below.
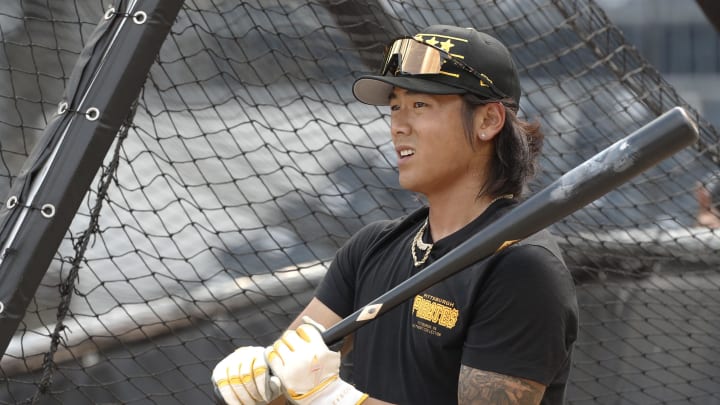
(533, 276)
(537, 255)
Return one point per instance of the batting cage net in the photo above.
(246, 162)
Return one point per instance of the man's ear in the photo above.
(489, 121)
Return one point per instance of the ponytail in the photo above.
(516, 149)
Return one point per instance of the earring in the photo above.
(482, 136)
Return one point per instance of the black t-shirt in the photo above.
(518, 318)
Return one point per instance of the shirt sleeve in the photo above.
(337, 289)
(525, 319)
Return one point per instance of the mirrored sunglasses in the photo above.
(409, 56)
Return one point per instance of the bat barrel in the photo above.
(620, 162)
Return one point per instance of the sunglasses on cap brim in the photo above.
(409, 56)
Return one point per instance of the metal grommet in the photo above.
(110, 13)
(48, 210)
(140, 17)
(92, 114)
(11, 202)
(62, 107)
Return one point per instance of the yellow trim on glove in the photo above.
(315, 389)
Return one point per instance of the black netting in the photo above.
(248, 163)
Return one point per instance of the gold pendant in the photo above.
(418, 243)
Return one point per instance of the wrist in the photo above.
(333, 391)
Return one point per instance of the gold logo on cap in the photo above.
(446, 45)
(432, 41)
(482, 82)
(435, 41)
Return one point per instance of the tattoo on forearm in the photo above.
(487, 388)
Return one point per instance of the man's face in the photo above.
(433, 152)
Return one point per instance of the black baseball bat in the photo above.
(618, 163)
(626, 158)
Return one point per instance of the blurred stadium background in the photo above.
(248, 163)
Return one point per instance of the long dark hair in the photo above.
(517, 147)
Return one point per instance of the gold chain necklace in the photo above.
(419, 244)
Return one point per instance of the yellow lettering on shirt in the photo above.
(435, 310)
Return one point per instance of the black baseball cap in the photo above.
(488, 72)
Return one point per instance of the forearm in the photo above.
(488, 388)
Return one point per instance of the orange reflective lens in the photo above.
(409, 56)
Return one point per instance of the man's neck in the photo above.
(449, 214)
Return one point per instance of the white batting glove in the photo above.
(309, 370)
(243, 378)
